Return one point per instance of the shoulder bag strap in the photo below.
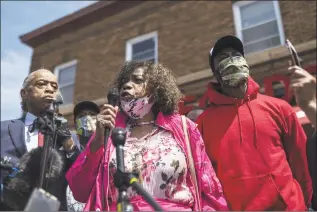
(191, 161)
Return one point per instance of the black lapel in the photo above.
(16, 131)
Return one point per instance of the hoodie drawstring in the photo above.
(240, 128)
(254, 124)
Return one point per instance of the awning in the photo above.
(301, 115)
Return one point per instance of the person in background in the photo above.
(304, 87)
(39, 90)
(155, 148)
(194, 114)
(85, 114)
(258, 147)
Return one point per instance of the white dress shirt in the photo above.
(31, 138)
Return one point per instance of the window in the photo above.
(258, 24)
(142, 48)
(279, 92)
(65, 74)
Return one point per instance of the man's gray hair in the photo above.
(26, 84)
(27, 81)
(29, 78)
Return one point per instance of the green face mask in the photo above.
(233, 70)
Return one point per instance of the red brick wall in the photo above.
(186, 32)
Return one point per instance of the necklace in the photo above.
(143, 123)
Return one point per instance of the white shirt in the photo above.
(31, 139)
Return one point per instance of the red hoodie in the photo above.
(258, 149)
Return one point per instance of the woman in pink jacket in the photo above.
(155, 148)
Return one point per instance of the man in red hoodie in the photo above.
(255, 142)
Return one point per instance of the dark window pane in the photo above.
(279, 92)
(144, 50)
(143, 46)
(257, 12)
(66, 76)
(67, 93)
(152, 60)
(144, 55)
(266, 30)
(262, 45)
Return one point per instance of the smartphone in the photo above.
(293, 53)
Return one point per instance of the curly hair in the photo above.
(160, 82)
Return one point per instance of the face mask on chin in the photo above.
(137, 108)
(86, 126)
(233, 71)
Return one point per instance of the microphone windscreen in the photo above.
(113, 96)
(31, 163)
(20, 186)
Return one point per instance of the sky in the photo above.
(18, 18)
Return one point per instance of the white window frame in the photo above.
(131, 42)
(237, 19)
(61, 67)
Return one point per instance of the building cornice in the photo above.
(88, 15)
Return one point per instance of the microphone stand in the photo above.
(40, 199)
(123, 180)
(47, 125)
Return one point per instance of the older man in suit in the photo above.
(38, 92)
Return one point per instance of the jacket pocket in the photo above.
(253, 193)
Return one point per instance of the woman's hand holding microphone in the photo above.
(105, 119)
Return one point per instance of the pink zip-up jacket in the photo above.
(84, 177)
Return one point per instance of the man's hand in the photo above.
(304, 86)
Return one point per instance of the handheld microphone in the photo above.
(113, 98)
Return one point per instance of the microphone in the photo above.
(113, 98)
(17, 188)
(59, 99)
(118, 138)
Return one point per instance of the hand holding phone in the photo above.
(293, 53)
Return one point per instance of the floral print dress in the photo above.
(72, 204)
(161, 165)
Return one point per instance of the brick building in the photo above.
(86, 49)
